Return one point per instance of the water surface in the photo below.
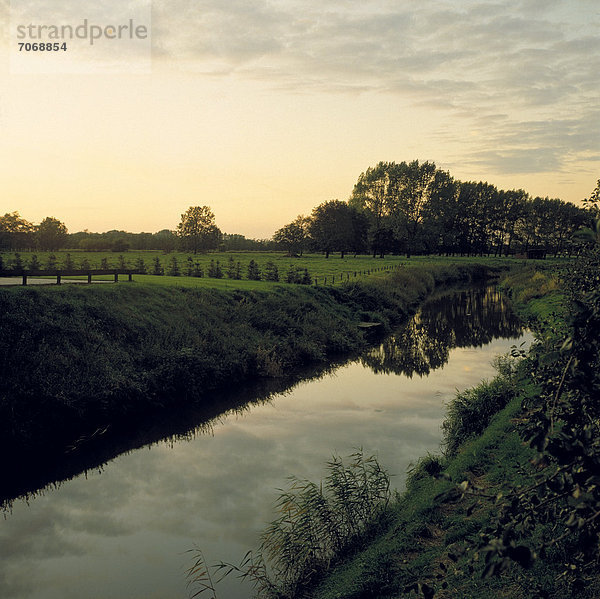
(122, 531)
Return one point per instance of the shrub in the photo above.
(69, 264)
(189, 266)
(34, 263)
(157, 268)
(293, 276)
(271, 271)
(51, 262)
(214, 270)
(427, 466)
(470, 412)
(234, 269)
(140, 265)
(174, 267)
(198, 270)
(253, 271)
(18, 262)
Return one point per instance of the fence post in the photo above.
(89, 277)
(116, 277)
(58, 279)
(24, 279)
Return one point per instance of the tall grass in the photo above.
(317, 523)
(471, 411)
(76, 358)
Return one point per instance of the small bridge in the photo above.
(24, 275)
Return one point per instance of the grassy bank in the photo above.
(75, 359)
(439, 538)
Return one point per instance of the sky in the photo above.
(263, 109)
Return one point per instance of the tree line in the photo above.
(416, 208)
(395, 208)
(51, 234)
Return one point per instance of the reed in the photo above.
(315, 526)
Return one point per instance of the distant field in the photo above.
(320, 269)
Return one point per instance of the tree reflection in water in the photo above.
(469, 318)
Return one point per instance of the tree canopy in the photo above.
(51, 234)
(416, 207)
(197, 229)
(294, 236)
(15, 232)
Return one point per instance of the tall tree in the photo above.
(197, 229)
(331, 227)
(16, 233)
(568, 218)
(416, 183)
(294, 236)
(441, 217)
(477, 203)
(360, 231)
(395, 196)
(375, 195)
(51, 234)
(507, 215)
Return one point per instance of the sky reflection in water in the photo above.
(123, 533)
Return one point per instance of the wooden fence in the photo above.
(25, 274)
(347, 275)
(60, 273)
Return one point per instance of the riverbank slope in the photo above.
(509, 508)
(74, 361)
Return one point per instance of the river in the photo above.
(122, 530)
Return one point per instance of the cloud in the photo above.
(470, 60)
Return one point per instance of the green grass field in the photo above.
(323, 271)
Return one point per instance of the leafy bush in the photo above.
(157, 268)
(174, 267)
(51, 262)
(253, 271)
(561, 424)
(69, 264)
(140, 265)
(294, 275)
(18, 263)
(234, 269)
(214, 270)
(34, 263)
(198, 270)
(271, 271)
